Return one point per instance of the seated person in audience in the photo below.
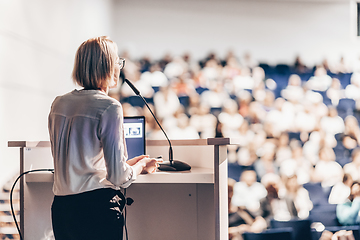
(166, 102)
(299, 195)
(240, 219)
(248, 192)
(332, 123)
(350, 138)
(297, 164)
(183, 86)
(155, 77)
(353, 168)
(216, 96)
(266, 163)
(294, 92)
(339, 235)
(327, 171)
(183, 130)
(230, 119)
(204, 122)
(246, 155)
(244, 134)
(353, 89)
(341, 190)
(320, 81)
(348, 212)
(283, 150)
(276, 205)
(244, 100)
(335, 92)
(232, 68)
(175, 68)
(305, 120)
(243, 80)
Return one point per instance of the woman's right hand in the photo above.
(151, 164)
(143, 164)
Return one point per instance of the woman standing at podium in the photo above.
(88, 148)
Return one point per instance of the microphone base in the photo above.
(174, 166)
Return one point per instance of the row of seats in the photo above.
(297, 230)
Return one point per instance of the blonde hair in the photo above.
(94, 63)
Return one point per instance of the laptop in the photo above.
(134, 129)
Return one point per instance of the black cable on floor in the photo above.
(11, 195)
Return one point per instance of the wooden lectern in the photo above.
(188, 205)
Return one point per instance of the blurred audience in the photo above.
(248, 192)
(299, 195)
(241, 219)
(290, 122)
(277, 204)
(348, 212)
(341, 190)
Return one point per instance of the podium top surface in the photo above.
(188, 142)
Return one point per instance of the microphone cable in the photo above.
(128, 201)
(11, 195)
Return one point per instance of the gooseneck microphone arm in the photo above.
(137, 92)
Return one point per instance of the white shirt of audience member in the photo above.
(215, 97)
(305, 121)
(320, 81)
(353, 90)
(155, 79)
(244, 80)
(339, 193)
(175, 68)
(183, 130)
(248, 192)
(204, 122)
(166, 102)
(282, 116)
(353, 168)
(332, 123)
(230, 118)
(326, 169)
(294, 91)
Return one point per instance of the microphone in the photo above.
(171, 165)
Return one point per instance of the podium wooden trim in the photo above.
(208, 158)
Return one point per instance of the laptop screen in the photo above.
(134, 128)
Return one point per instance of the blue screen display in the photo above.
(134, 129)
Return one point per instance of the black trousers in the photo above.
(93, 215)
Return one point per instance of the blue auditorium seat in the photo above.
(235, 170)
(215, 111)
(270, 234)
(346, 107)
(301, 227)
(345, 79)
(326, 214)
(282, 69)
(318, 195)
(156, 89)
(185, 101)
(200, 90)
(294, 135)
(135, 101)
(267, 68)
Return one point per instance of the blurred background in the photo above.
(247, 50)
